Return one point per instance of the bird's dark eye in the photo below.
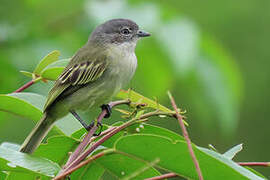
(125, 31)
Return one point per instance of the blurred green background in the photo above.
(212, 55)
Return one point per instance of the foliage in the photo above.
(143, 147)
(202, 51)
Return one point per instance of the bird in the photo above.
(95, 73)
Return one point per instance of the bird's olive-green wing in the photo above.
(76, 75)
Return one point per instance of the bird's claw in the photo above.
(108, 110)
(100, 130)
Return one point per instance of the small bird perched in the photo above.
(96, 73)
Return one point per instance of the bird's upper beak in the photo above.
(142, 33)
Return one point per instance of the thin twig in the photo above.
(102, 133)
(80, 165)
(27, 85)
(185, 134)
(164, 176)
(89, 135)
(110, 134)
(266, 164)
(96, 144)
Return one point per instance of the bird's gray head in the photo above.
(117, 31)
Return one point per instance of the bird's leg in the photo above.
(87, 127)
(81, 121)
(108, 109)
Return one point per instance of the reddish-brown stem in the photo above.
(79, 166)
(266, 164)
(96, 144)
(27, 85)
(74, 156)
(108, 135)
(85, 141)
(164, 176)
(185, 134)
(103, 133)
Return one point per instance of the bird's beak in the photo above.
(142, 33)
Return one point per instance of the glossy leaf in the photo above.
(174, 157)
(27, 74)
(143, 128)
(11, 160)
(136, 97)
(224, 159)
(120, 165)
(233, 151)
(52, 71)
(12, 146)
(23, 176)
(92, 170)
(28, 105)
(48, 59)
(57, 148)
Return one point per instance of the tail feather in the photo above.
(37, 134)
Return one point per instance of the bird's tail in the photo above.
(34, 139)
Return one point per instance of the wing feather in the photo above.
(76, 75)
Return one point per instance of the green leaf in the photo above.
(12, 146)
(23, 176)
(121, 166)
(143, 128)
(232, 164)
(27, 105)
(92, 170)
(79, 133)
(174, 157)
(57, 148)
(52, 71)
(136, 97)
(27, 74)
(11, 160)
(233, 151)
(138, 128)
(50, 58)
(255, 172)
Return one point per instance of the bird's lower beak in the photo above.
(142, 33)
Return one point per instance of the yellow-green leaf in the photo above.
(27, 74)
(52, 71)
(136, 97)
(50, 58)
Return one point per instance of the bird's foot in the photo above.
(108, 110)
(100, 129)
(92, 125)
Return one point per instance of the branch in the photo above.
(89, 135)
(92, 158)
(164, 176)
(185, 134)
(115, 130)
(266, 164)
(27, 85)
